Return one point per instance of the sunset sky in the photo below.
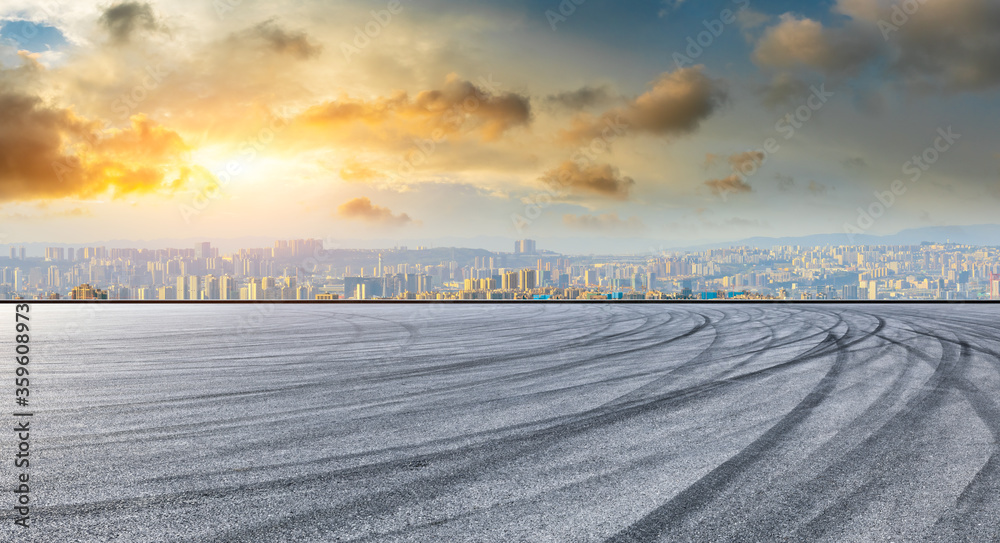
(422, 119)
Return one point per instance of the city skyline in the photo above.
(672, 121)
(304, 269)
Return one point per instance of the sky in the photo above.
(683, 121)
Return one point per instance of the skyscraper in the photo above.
(203, 250)
(227, 290)
(54, 277)
(528, 279)
(524, 247)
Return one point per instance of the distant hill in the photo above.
(982, 234)
(444, 247)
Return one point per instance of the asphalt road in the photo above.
(536, 423)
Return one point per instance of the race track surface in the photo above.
(527, 422)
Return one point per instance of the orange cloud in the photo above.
(458, 108)
(362, 209)
(732, 184)
(49, 152)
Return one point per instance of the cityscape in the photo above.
(583, 271)
(303, 269)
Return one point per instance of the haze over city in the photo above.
(675, 121)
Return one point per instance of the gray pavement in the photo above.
(548, 422)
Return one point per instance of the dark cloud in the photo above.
(581, 98)
(677, 104)
(597, 180)
(284, 42)
(122, 21)
(943, 46)
(363, 209)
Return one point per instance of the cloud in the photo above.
(608, 223)
(581, 98)
(783, 89)
(122, 21)
(362, 209)
(732, 184)
(943, 46)
(677, 104)
(601, 180)
(459, 107)
(50, 152)
(799, 42)
(271, 35)
(746, 160)
(353, 171)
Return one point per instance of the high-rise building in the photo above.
(524, 247)
(850, 292)
(166, 293)
(227, 288)
(54, 277)
(211, 288)
(528, 279)
(87, 292)
(510, 280)
(203, 249)
(54, 253)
